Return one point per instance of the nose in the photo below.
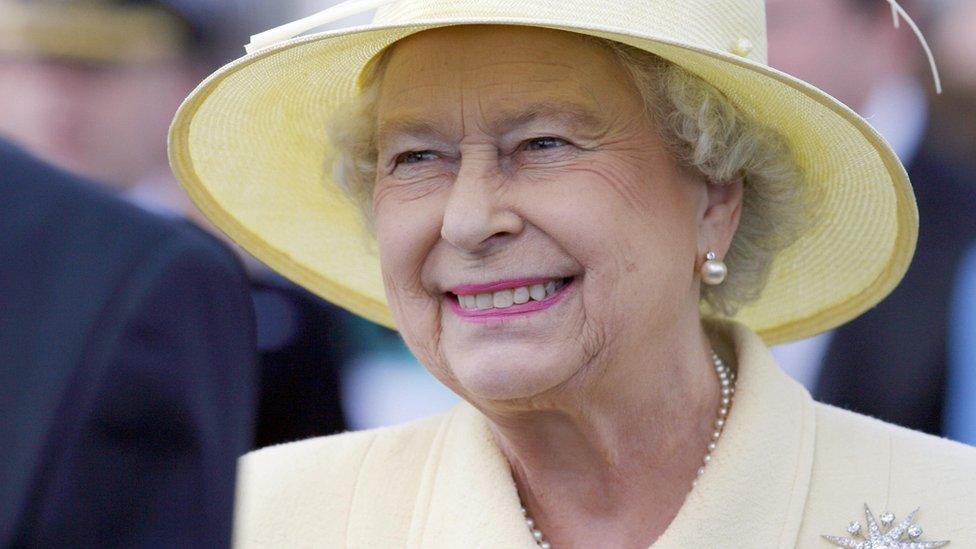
(477, 215)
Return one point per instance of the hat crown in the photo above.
(733, 26)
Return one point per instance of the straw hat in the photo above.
(249, 146)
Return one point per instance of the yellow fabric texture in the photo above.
(786, 471)
(249, 146)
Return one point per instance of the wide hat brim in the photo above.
(249, 146)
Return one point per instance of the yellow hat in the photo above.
(249, 145)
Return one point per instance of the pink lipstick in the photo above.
(472, 289)
(515, 310)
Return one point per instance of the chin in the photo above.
(510, 374)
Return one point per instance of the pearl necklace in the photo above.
(727, 378)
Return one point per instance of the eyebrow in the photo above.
(504, 121)
(407, 126)
(571, 113)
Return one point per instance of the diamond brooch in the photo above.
(890, 538)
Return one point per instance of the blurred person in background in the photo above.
(960, 410)
(126, 366)
(89, 85)
(891, 362)
(954, 112)
(92, 85)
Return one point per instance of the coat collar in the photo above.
(754, 488)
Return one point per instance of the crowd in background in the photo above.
(90, 86)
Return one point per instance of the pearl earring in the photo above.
(713, 271)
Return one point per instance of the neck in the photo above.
(613, 463)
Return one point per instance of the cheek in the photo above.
(406, 233)
(632, 228)
(616, 204)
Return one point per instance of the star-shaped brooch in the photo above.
(890, 539)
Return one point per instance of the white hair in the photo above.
(700, 126)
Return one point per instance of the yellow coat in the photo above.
(787, 470)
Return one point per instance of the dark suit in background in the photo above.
(303, 343)
(890, 362)
(127, 370)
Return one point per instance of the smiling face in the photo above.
(533, 229)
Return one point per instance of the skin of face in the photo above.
(506, 153)
(100, 120)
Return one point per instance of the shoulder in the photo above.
(70, 245)
(52, 209)
(943, 191)
(40, 195)
(932, 165)
(305, 490)
(140, 271)
(915, 453)
(337, 451)
(860, 460)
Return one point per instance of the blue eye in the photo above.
(416, 157)
(543, 143)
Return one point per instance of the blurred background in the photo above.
(92, 85)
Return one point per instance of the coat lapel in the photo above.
(467, 496)
(753, 491)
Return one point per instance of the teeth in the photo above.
(484, 301)
(513, 296)
(504, 298)
(537, 292)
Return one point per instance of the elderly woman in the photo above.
(588, 220)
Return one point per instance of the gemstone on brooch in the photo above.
(884, 536)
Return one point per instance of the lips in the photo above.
(508, 297)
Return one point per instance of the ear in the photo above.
(719, 217)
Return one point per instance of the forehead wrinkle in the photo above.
(505, 106)
(408, 125)
(491, 93)
(507, 119)
(534, 64)
(403, 112)
(573, 103)
(396, 94)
